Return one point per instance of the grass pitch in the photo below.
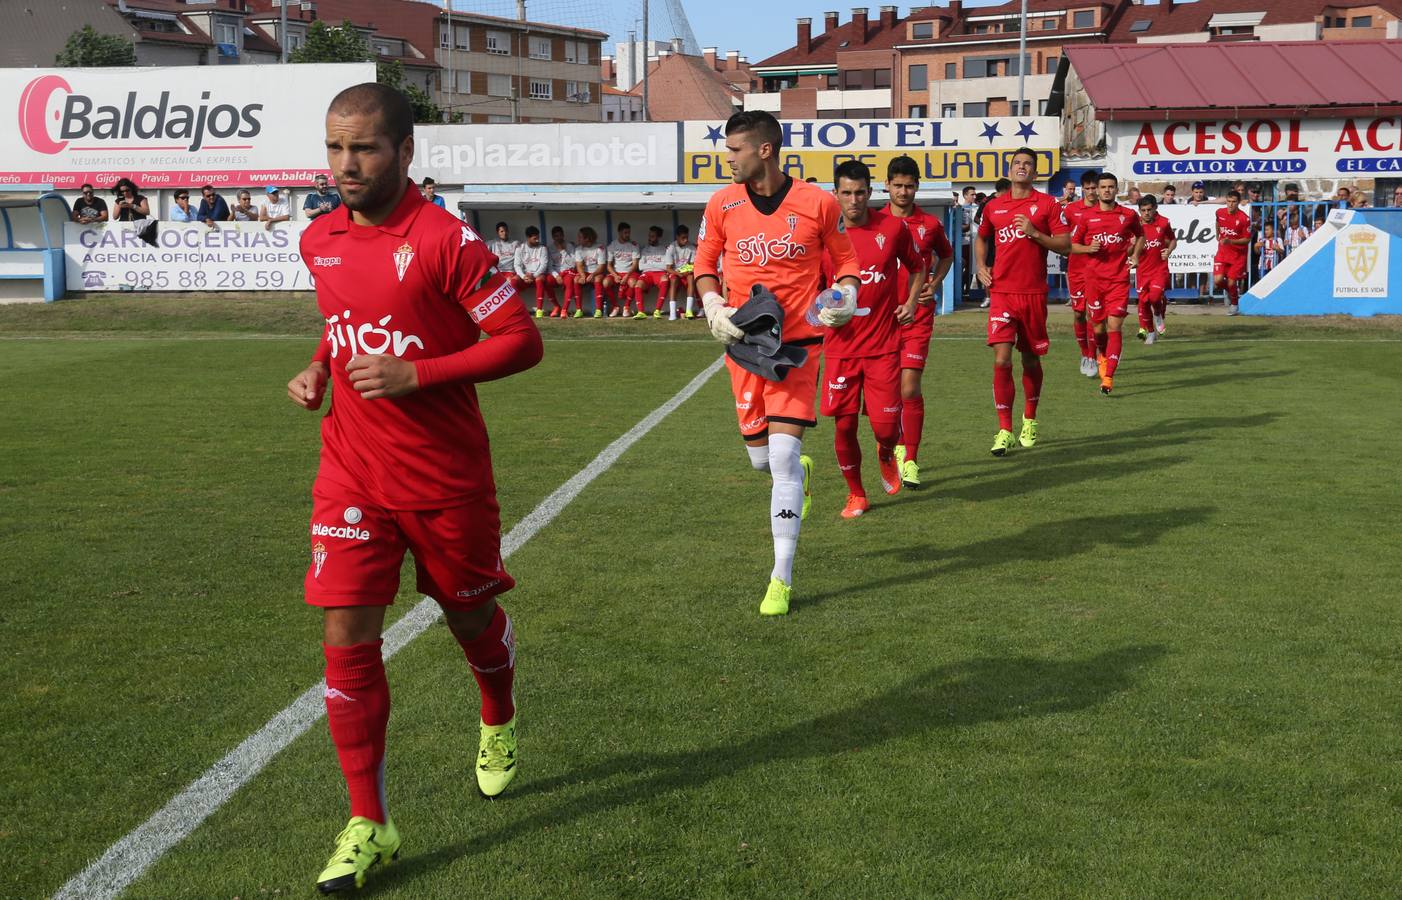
(1154, 656)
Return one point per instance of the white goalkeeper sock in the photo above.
(785, 502)
(759, 456)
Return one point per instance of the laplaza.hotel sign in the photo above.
(1263, 148)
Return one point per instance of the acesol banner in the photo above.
(575, 153)
(169, 127)
(236, 256)
(955, 150)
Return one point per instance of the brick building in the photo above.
(682, 86)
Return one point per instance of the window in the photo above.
(610, 115)
(542, 89)
(832, 81)
(881, 78)
(577, 91)
(1042, 107)
(460, 35)
(224, 33)
(976, 110)
(951, 71)
(1140, 25)
(464, 82)
(854, 79)
(294, 41)
(1362, 21)
(917, 80)
(921, 31)
(1051, 64)
(499, 85)
(949, 111)
(1051, 24)
(1026, 107)
(540, 48)
(444, 37)
(915, 112)
(382, 49)
(1083, 18)
(571, 52)
(498, 120)
(632, 115)
(499, 42)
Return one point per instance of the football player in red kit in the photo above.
(936, 255)
(1149, 259)
(863, 368)
(1105, 236)
(1233, 237)
(1022, 225)
(1076, 274)
(406, 290)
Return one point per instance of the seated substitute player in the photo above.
(406, 290)
(1233, 237)
(863, 371)
(532, 268)
(591, 270)
(1076, 274)
(1022, 224)
(1150, 262)
(505, 249)
(562, 273)
(652, 273)
(622, 269)
(681, 265)
(902, 183)
(772, 231)
(1106, 236)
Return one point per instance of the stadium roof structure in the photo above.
(1211, 81)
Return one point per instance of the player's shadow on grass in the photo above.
(1032, 547)
(956, 695)
(1187, 384)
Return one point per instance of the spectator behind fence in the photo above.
(1342, 198)
(1170, 196)
(1358, 200)
(1269, 250)
(182, 211)
(321, 200)
(430, 192)
(1199, 195)
(1318, 221)
(89, 208)
(131, 206)
(275, 209)
(212, 209)
(1397, 196)
(1294, 234)
(243, 209)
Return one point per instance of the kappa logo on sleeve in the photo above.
(467, 235)
(493, 302)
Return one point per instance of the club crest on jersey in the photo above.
(880, 241)
(792, 220)
(1032, 211)
(920, 229)
(402, 257)
(318, 558)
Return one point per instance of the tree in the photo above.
(89, 48)
(344, 43)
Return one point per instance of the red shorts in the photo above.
(1106, 297)
(915, 338)
(759, 400)
(1233, 268)
(358, 547)
(658, 280)
(1019, 319)
(1076, 287)
(869, 384)
(1152, 285)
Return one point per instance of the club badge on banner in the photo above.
(236, 256)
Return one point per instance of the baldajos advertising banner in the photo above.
(956, 150)
(169, 127)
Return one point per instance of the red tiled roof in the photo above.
(686, 87)
(1186, 81)
(1192, 18)
(823, 48)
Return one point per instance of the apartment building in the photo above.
(681, 86)
(952, 60)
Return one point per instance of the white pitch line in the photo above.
(129, 857)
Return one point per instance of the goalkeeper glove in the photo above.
(841, 314)
(718, 317)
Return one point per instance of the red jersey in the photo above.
(1020, 263)
(1158, 234)
(927, 232)
(1232, 227)
(781, 249)
(1070, 217)
(1116, 231)
(880, 244)
(407, 287)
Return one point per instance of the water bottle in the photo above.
(827, 299)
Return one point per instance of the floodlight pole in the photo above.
(1022, 61)
(282, 32)
(645, 36)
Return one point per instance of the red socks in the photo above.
(1232, 292)
(888, 435)
(1101, 340)
(1031, 391)
(1114, 345)
(357, 709)
(912, 424)
(1081, 329)
(849, 453)
(1004, 393)
(492, 656)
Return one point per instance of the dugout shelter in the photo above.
(31, 245)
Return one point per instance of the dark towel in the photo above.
(762, 350)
